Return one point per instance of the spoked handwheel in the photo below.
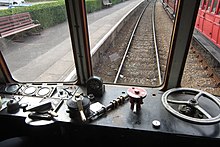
(184, 103)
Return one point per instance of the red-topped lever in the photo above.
(136, 95)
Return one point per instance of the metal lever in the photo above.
(80, 108)
(52, 113)
(135, 108)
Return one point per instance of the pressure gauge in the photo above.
(95, 86)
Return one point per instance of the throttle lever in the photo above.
(80, 108)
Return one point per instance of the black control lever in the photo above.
(41, 107)
(40, 116)
(42, 111)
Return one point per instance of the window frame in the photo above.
(213, 7)
(179, 46)
(217, 11)
(80, 39)
(180, 42)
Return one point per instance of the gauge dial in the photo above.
(95, 86)
(12, 88)
(94, 83)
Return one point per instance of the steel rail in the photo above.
(155, 45)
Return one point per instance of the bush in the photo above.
(48, 14)
(52, 13)
(93, 5)
(116, 1)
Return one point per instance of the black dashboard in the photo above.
(125, 114)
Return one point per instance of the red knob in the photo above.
(136, 95)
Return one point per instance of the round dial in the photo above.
(12, 88)
(94, 83)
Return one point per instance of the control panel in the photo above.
(184, 111)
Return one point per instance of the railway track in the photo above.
(112, 58)
(138, 58)
(140, 62)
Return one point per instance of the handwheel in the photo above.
(187, 103)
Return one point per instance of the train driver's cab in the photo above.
(60, 83)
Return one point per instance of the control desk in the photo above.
(115, 114)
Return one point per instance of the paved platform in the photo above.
(111, 17)
(54, 51)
